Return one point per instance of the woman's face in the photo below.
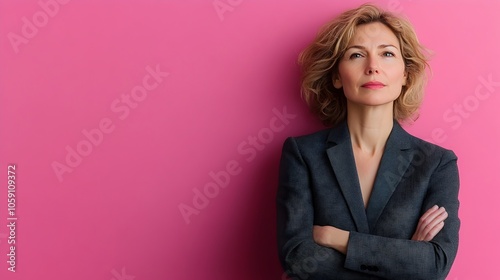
(372, 70)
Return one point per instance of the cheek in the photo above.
(396, 75)
(397, 71)
(348, 74)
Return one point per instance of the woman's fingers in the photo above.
(429, 212)
(434, 231)
(434, 225)
(423, 219)
(430, 224)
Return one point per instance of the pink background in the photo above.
(116, 214)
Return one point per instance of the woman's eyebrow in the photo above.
(364, 48)
(387, 45)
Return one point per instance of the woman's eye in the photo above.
(355, 55)
(388, 54)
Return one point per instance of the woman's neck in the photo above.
(370, 127)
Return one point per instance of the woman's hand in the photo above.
(430, 224)
(332, 237)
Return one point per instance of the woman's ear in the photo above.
(404, 78)
(337, 83)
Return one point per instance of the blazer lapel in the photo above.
(342, 160)
(393, 165)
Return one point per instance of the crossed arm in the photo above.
(429, 225)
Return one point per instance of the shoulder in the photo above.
(316, 140)
(321, 138)
(430, 150)
(305, 147)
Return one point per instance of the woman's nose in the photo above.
(372, 66)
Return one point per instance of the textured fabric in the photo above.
(318, 185)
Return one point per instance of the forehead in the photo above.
(373, 33)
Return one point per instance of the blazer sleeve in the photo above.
(407, 259)
(299, 255)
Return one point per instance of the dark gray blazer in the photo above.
(318, 185)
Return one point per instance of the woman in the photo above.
(364, 199)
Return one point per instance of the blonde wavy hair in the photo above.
(319, 63)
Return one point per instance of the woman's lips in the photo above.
(373, 85)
